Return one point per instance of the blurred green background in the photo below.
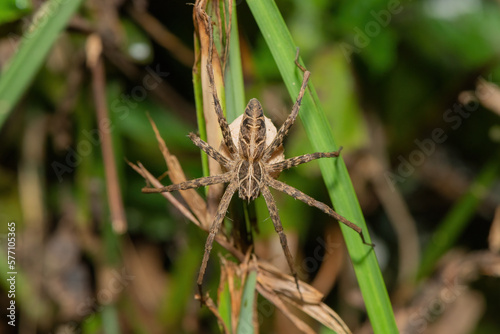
(409, 88)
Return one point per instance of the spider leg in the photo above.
(196, 183)
(226, 132)
(297, 194)
(213, 153)
(273, 211)
(219, 217)
(292, 162)
(278, 140)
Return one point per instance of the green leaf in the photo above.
(225, 305)
(334, 171)
(198, 98)
(48, 22)
(245, 322)
(110, 322)
(235, 90)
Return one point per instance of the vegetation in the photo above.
(407, 88)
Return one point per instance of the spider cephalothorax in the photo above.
(250, 169)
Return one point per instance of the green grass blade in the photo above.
(50, 20)
(225, 305)
(235, 90)
(334, 171)
(198, 98)
(110, 322)
(245, 321)
(456, 220)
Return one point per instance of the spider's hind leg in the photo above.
(219, 217)
(297, 194)
(273, 211)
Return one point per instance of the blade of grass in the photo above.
(334, 171)
(245, 322)
(457, 218)
(48, 22)
(110, 322)
(198, 98)
(235, 91)
(225, 305)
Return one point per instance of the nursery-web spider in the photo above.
(248, 169)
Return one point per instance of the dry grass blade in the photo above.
(176, 174)
(283, 286)
(280, 304)
(139, 168)
(96, 64)
(228, 273)
(201, 22)
(324, 314)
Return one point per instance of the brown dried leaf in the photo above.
(139, 168)
(214, 135)
(284, 284)
(273, 283)
(176, 174)
(229, 270)
(279, 303)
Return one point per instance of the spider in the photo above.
(248, 169)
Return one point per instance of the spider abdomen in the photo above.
(253, 131)
(250, 176)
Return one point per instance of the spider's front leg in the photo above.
(292, 162)
(196, 183)
(210, 151)
(226, 132)
(282, 132)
